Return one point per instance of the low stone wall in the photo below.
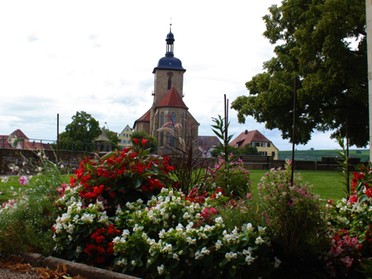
(15, 157)
(71, 159)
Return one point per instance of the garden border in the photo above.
(73, 268)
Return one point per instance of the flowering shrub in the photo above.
(25, 220)
(353, 218)
(122, 176)
(293, 216)
(83, 233)
(230, 176)
(345, 252)
(174, 237)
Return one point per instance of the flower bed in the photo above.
(124, 212)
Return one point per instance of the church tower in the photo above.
(168, 108)
(169, 72)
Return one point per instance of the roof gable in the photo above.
(248, 137)
(172, 99)
(207, 142)
(145, 117)
(19, 134)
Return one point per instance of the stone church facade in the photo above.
(168, 120)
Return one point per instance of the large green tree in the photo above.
(320, 53)
(80, 133)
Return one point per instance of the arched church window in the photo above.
(161, 119)
(173, 117)
(170, 75)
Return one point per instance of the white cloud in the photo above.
(98, 56)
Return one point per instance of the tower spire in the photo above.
(170, 40)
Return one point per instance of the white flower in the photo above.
(70, 228)
(259, 240)
(205, 251)
(137, 228)
(248, 256)
(161, 233)
(248, 227)
(231, 255)
(180, 227)
(167, 248)
(64, 218)
(125, 233)
(261, 230)
(218, 245)
(58, 228)
(186, 216)
(218, 220)
(122, 262)
(103, 218)
(277, 262)
(198, 255)
(160, 269)
(87, 218)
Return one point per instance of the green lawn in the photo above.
(10, 187)
(327, 184)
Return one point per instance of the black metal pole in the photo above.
(57, 137)
(226, 103)
(293, 130)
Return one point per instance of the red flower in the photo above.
(144, 141)
(135, 141)
(208, 212)
(353, 199)
(369, 192)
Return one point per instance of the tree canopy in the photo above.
(80, 133)
(321, 54)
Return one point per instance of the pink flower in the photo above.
(61, 190)
(347, 261)
(23, 180)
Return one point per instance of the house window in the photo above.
(273, 154)
(268, 145)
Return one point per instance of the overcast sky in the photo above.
(60, 57)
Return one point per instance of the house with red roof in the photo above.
(254, 138)
(18, 140)
(169, 118)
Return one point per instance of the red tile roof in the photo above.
(248, 137)
(19, 134)
(207, 142)
(145, 117)
(23, 142)
(172, 99)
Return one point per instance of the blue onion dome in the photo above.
(169, 62)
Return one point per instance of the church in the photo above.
(168, 120)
